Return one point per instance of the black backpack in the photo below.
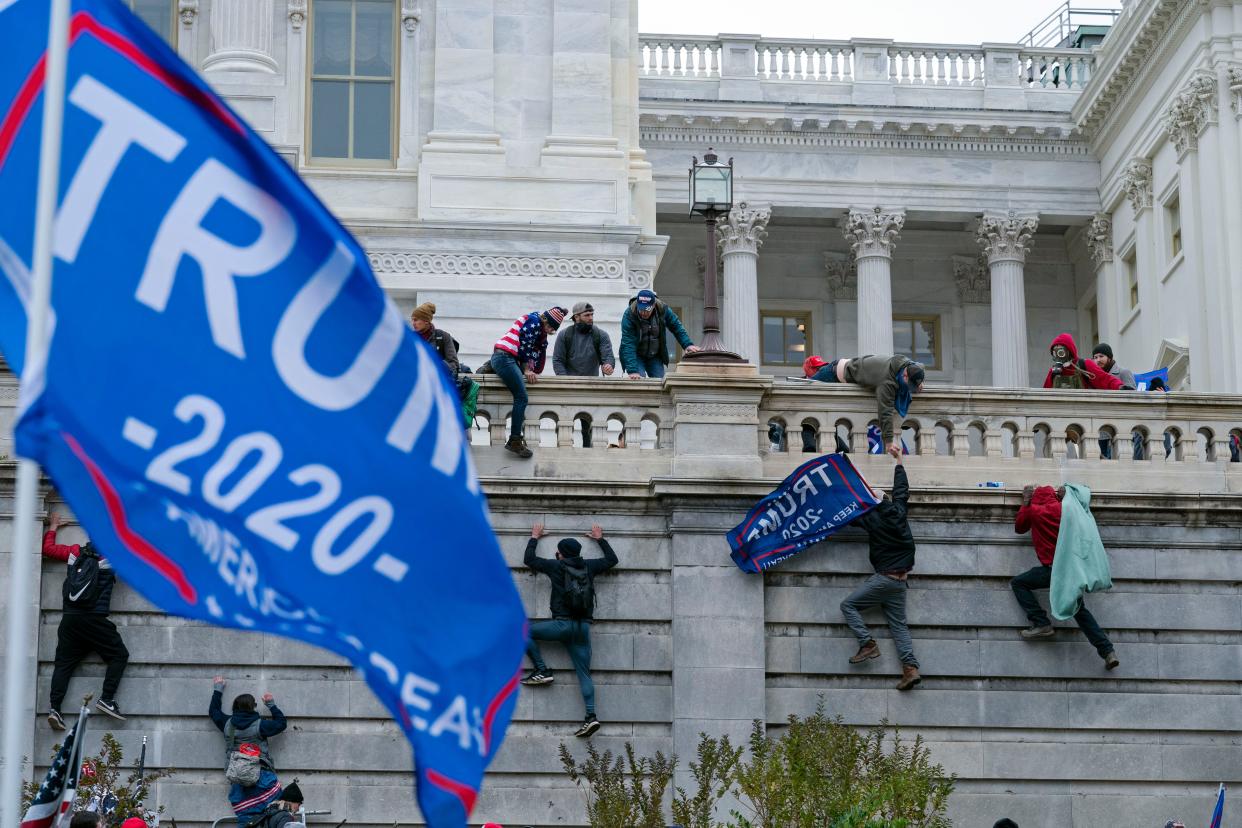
(579, 591)
(82, 584)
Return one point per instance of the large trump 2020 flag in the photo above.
(231, 405)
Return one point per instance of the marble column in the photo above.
(1005, 240)
(582, 87)
(465, 74)
(1099, 237)
(740, 234)
(1137, 183)
(872, 234)
(842, 273)
(241, 37)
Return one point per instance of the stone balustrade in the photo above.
(750, 57)
(958, 436)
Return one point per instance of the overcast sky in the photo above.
(919, 21)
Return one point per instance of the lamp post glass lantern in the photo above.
(711, 196)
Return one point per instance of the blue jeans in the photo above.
(651, 367)
(576, 636)
(511, 374)
(890, 595)
(1040, 578)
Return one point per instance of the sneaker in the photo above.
(518, 446)
(1110, 660)
(110, 707)
(55, 720)
(537, 677)
(589, 726)
(1046, 631)
(866, 651)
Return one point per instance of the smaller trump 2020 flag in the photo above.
(231, 405)
(820, 497)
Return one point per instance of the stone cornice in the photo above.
(842, 273)
(743, 229)
(779, 136)
(1191, 111)
(464, 264)
(1007, 237)
(1127, 57)
(973, 284)
(873, 232)
(1099, 237)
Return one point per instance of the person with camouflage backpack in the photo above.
(573, 610)
(249, 768)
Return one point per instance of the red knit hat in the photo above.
(134, 822)
(812, 364)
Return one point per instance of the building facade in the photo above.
(964, 204)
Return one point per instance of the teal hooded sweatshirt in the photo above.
(1080, 564)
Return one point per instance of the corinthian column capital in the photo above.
(743, 229)
(1191, 111)
(1234, 74)
(1007, 237)
(873, 232)
(1100, 239)
(1136, 181)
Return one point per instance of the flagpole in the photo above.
(22, 565)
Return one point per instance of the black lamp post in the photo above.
(711, 196)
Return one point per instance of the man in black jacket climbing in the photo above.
(573, 609)
(892, 557)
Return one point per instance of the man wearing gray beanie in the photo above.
(583, 349)
(573, 609)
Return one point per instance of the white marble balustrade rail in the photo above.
(818, 60)
(936, 65)
(1056, 69)
(679, 56)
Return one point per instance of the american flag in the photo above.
(55, 796)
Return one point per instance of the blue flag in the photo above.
(233, 408)
(1218, 813)
(1143, 381)
(820, 497)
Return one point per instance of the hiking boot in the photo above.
(518, 446)
(55, 720)
(1046, 631)
(537, 677)
(866, 651)
(909, 677)
(109, 706)
(1110, 660)
(589, 726)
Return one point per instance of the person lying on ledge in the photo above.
(893, 380)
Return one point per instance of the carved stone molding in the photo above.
(1136, 181)
(297, 14)
(1192, 110)
(743, 229)
(873, 233)
(842, 272)
(640, 278)
(1007, 237)
(458, 264)
(1100, 239)
(1234, 73)
(973, 284)
(700, 263)
(187, 11)
(717, 412)
(410, 15)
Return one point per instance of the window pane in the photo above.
(903, 336)
(332, 22)
(157, 14)
(330, 119)
(795, 340)
(373, 39)
(773, 339)
(925, 342)
(372, 120)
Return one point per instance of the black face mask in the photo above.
(583, 327)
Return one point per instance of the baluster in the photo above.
(960, 442)
(678, 68)
(644, 58)
(1221, 449)
(1089, 445)
(954, 77)
(926, 440)
(498, 429)
(819, 61)
(858, 441)
(1026, 445)
(762, 54)
(783, 65)
(565, 433)
(836, 58)
(894, 67)
(711, 69)
(661, 58)
(599, 431)
(633, 435)
(1057, 438)
(992, 448)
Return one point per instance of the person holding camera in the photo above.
(1071, 371)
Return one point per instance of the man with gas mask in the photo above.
(1070, 371)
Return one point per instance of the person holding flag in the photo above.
(225, 281)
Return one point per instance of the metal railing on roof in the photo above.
(1058, 28)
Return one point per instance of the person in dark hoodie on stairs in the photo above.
(86, 600)
(245, 739)
(1041, 516)
(573, 607)
(892, 556)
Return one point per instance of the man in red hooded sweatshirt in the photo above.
(1041, 516)
(1068, 371)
